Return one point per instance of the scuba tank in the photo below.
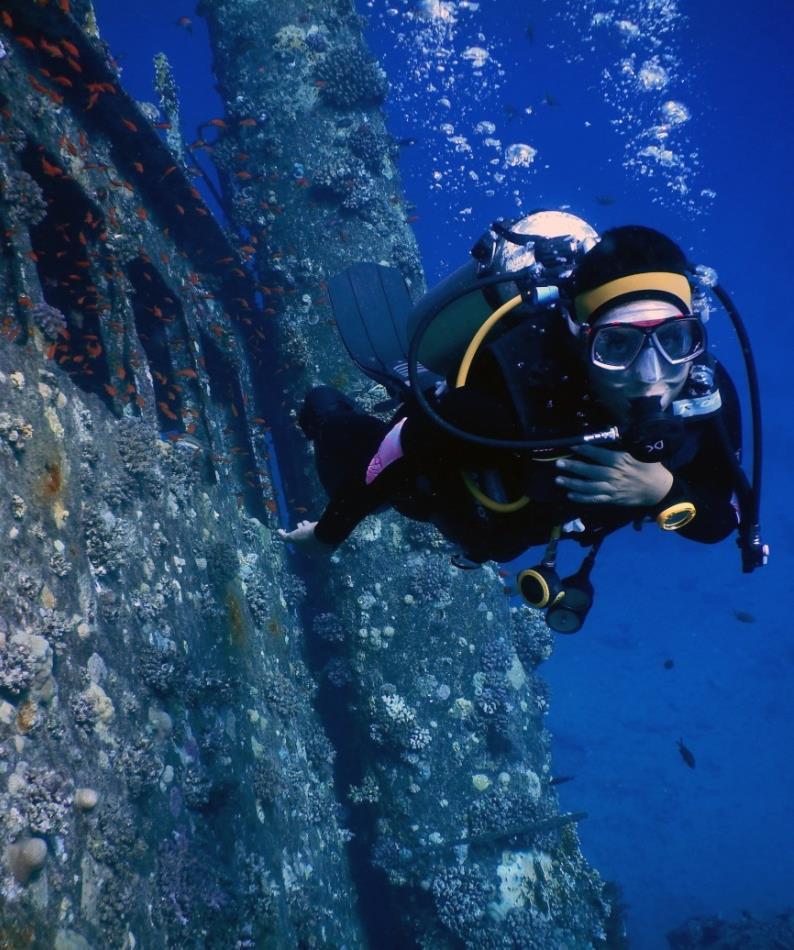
(539, 249)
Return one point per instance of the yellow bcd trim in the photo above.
(503, 507)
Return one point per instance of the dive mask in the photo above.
(679, 339)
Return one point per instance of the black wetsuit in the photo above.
(426, 483)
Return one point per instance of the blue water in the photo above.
(717, 838)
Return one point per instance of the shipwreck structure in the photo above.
(204, 741)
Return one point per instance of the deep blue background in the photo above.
(719, 838)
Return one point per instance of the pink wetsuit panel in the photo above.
(388, 451)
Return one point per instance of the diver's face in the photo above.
(649, 374)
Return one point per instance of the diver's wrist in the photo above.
(663, 485)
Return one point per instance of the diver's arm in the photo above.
(354, 501)
(707, 481)
(715, 517)
(610, 477)
(304, 536)
(616, 478)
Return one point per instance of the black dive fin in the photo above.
(371, 306)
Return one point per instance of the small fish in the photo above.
(668, 664)
(686, 754)
(605, 200)
(186, 23)
(530, 33)
(405, 142)
(744, 616)
(50, 48)
(49, 169)
(549, 100)
(560, 779)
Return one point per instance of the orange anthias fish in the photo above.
(186, 23)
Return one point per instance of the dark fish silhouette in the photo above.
(530, 33)
(560, 779)
(668, 664)
(743, 616)
(527, 831)
(686, 754)
(605, 200)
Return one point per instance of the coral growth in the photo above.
(15, 431)
(430, 579)
(49, 320)
(461, 895)
(346, 181)
(137, 446)
(350, 77)
(365, 143)
(531, 637)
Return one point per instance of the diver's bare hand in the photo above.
(613, 478)
(303, 535)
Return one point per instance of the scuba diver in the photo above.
(558, 386)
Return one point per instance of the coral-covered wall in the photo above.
(163, 778)
(426, 676)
